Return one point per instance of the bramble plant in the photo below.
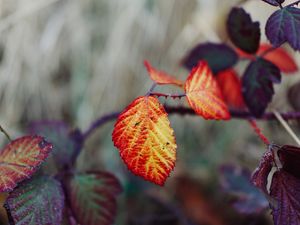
(146, 141)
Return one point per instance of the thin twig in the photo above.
(5, 133)
(258, 131)
(287, 127)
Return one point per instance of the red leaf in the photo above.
(231, 88)
(204, 95)
(280, 57)
(160, 77)
(20, 159)
(145, 140)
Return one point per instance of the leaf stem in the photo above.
(287, 127)
(5, 133)
(244, 115)
(258, 131)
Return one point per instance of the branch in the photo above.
(235, 114)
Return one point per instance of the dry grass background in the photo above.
(78, 59)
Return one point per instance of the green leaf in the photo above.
(37, 202)
(93, 198)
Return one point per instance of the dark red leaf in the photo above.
(284, 26)
(260, 175)
(243, 32)
(257, 85)
(290, 159)
(218, 56)
(285, 191)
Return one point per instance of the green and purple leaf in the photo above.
(20, 159)
(257, 85)
(66, 142)
(236, 182)
(39, 201)
(92, 197)
(274, 2)
(294, 96)
(243, 32)
(284, 26)
(218, 56)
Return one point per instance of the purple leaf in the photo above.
(284, 194)
(243, 32)
(257, 85)
(39, 201)
(66, 142)
(284, 26)
(219, 56)
(285, 190)
(274, 2)
(236, 182)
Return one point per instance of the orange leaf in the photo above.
(161, 77)
(280, 57)
(231, 88)
(145, 140)
(204, 95)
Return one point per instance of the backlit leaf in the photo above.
(257, 85)
(66, 146)
(274, 2)
(204, 95)
(145, 139)
(243, 32)
(92, 198)
(20, 159)
(218, 56)
(160, 77)
(236, 182)
(284, 26)
(279, 57)
(231, 88)
(39, 201)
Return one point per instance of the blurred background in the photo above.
(75, 60)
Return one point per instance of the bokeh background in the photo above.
(75, 60)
